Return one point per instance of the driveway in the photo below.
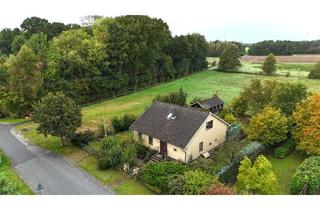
(39, 166)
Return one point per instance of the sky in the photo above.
(246, 21)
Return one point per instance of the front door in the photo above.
(163, 148)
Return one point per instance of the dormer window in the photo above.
(209, 124)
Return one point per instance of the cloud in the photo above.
(245, 20)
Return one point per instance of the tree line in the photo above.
(284, 47)
(103, 58)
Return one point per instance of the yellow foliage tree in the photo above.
(306, 131)
(268, 127)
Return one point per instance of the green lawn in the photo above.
(284, 169)
(9, 174)
(12, 121)
(118, 180)
(202, 84)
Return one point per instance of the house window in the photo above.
(209, 124)
(201, 146)
(140, 136)
(174, 149)
(150, 140)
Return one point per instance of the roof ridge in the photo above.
(185, 107)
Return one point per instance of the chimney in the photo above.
(172, 114)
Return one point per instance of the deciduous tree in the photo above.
(268, 127)
(306, 130)
(230, 58)
(269, 65)
(57, 115)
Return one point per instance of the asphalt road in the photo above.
(39, 166)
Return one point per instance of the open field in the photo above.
(202, 84)
(284, 169)
(283, 59)
(9, 174)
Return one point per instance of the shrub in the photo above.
(284, 150)
(315, 72)
(157, 174)
(306, 179)
(221, 189)
(256, 178)
(7, 187)
(129, 154)
(234, 132)
(123, 124)
(105, 130)
(196, 182)
(82, 139)
(144, 152)
(175, 184)
(178, 98)
(269, 65)
(110, 155)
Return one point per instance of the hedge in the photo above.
(306, 179)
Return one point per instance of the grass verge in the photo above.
(9, 174)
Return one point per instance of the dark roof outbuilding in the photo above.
(210, 102)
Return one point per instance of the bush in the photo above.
(7, 187)
(284, 150)
(144, 152)
(110, 155)
(315, 72)
(234, 132)
(306, 179)
(105, 130)
(221, 189)
(157, 174)
(178, 98)
(175, 184)
(197, 182)
(123, 124)
(82, 139)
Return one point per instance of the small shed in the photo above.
(214, 104)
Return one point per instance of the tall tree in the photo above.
(256, 178)
(6, 38)
(57, 115)
(269, 65)
(24, 76)
(35, 25)
(229, 58)
(306, 130)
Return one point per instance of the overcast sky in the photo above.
(240, 20)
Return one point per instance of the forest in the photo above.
(105, 57)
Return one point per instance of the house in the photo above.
(181, 133)
(214, 104)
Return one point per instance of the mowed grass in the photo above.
(12, 121)
(284, 170)
(201, 84)
(9, 174)
(121, 183)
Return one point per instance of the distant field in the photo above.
(283, 59)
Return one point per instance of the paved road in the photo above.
(37, 165)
